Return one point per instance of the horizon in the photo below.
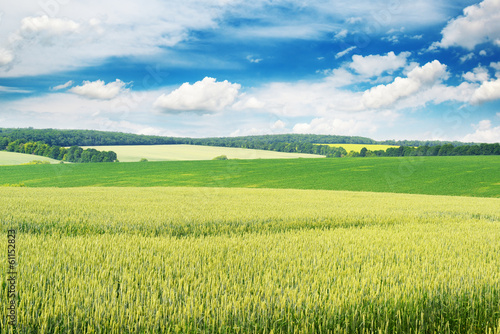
(256, 135)
(427, 70)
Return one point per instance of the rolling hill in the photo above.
(131, 153)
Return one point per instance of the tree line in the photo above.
(69, 138)
(439, 150)
(291, 143)
(73, 154)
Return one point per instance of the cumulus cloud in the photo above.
(496, 67)
(204, 95)
(419, 77)
(488, 91)
(98, 90)
(50, 25)
(374, 65)
(6, 57)
(484, 133)
(478, 74)
(479, 23)
(338, 126)
(63, 86)
(279, 124)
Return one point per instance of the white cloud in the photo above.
(484, 133)
(341, 34)
(467, 57)
(336, 126)
(343, 53)
(354, 20)
(488, 91)
(99, 90)
(478, 74)
(418, 78)
(5, 89)
(252, 59)
(248, 103)
(374, 65)
(496, 65)
(479, 23)
(483, 53)
(49, 25)
(205, 95)
(63, 86)
(6, 57)
(279, 124)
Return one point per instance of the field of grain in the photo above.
(12, 158)
(457, 175)
(358, 147)
(215, 260)
(193, 152)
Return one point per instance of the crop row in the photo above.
(162, 211)
(405, 278)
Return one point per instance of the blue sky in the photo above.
(395, 69)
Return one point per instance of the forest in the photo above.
(73, 154)
(31, 141)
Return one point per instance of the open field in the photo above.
(208, 260)
(459, 176)
(193, 152)
(358, 147)
(12, 158)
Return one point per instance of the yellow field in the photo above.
(13, 158)
(358, 147)
(133, 153)
(216, 260)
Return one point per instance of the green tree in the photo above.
(363, 151)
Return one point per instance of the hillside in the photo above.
(459, 176)
(94, 138)
(12, 158)
(193, 152)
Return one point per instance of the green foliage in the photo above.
(73, 154)
(220, 157)
(462, 176)
(143, 160)
(208, 260)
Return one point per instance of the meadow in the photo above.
(219, 260)
(477, 176)
(358, 147)
(131, 153)
(12, 158)
(360, 245)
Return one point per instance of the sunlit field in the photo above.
(131, 153)
(211, 260)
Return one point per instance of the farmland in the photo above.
(132, 153)
(459, 176)
(173, 260)
(358, 147)
(242, 246)
(12, 158)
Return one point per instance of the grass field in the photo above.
(215, 260)
(459, 176)
(193, 152)
(358, 147)
(12, 158)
